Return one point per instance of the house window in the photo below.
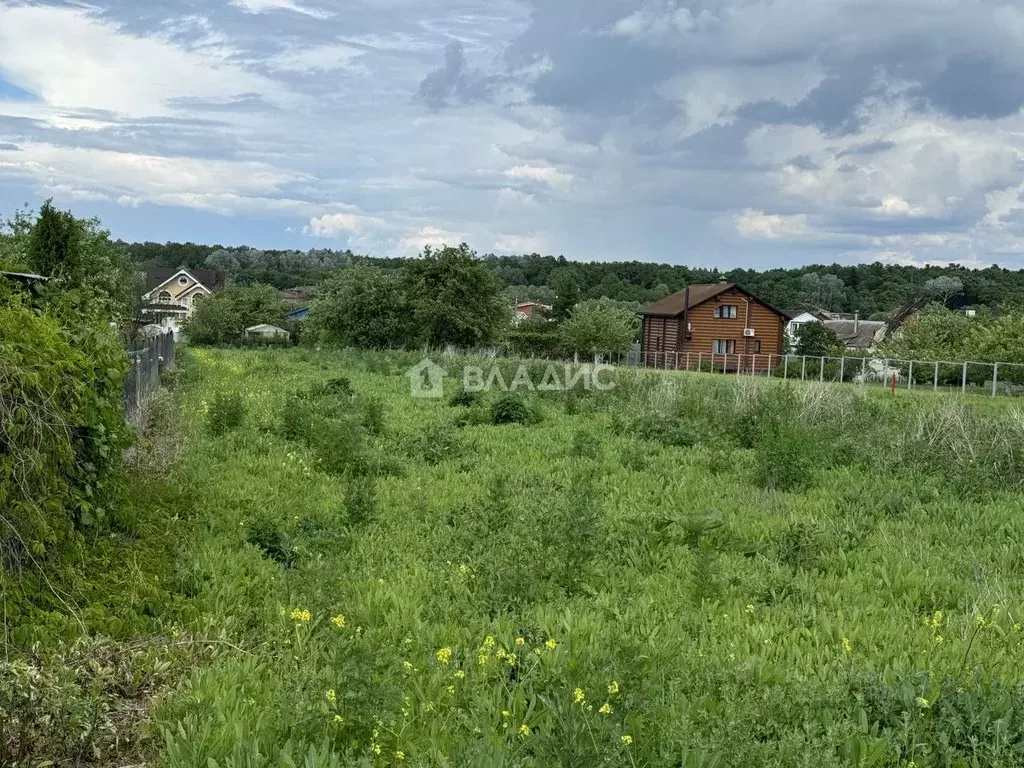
(757, 347)
(182, 280)
(725, 312)
(165, 297)
(724, 346)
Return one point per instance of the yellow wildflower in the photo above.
(606, 709)
(444, 655)
(520, 641)
(501, 653)
(451, 690)
(332, 696)
(749, 608)
(627, 739)
(481, 659)
(524, 730)
(578, 696)
(505, 713)
(979, 620)
(847, 648)
(375, 748)
(551, 644)
(511, 659)
(300, 615)
(459, 675)
(923, 703)
(339, 719)
(613, 687)
(399, 755)
(408, 666)
(338, 621)
(488, 643)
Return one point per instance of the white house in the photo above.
(798, 318)
(172, 295)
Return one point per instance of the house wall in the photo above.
(180, 293)
(663, 334)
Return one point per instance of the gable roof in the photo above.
(700, 293)
(856, 334)
(157, 276)
(792, 314)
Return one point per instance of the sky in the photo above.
(727, 133)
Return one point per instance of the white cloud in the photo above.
(334, 224)
(766, 226)
(267, 6)
(221, 186)
(896, 205)
(435, 237)
(514, 198)
(519, 244)
(322, 58)
(542, 173)
(74, 60)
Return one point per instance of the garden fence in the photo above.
(960, 376)
(143, 376)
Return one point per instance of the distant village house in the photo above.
(173, 294)
(720, 324)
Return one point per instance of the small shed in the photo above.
(266, 331)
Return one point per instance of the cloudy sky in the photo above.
(714, 132)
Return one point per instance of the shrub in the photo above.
(585, 445)
(441, 442)
(463, 398)
(361, 499)
(509, 409)
(785, 458)
(658, 428)
(272, 541)
(226, 412)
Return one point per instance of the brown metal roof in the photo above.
(699, 293)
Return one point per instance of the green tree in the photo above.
(935, 334)
(944, 288)
(224, 316)
(364, 307)
(599, 326)
(566, 284)
(455, 299)
(817, 340)
(823, 291)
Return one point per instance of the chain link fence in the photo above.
(143, 376)
(938, 375)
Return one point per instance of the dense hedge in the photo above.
(61, 427)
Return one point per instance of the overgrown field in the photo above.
(686, 570)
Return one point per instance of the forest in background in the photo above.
(872, 290)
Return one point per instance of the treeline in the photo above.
(872, 290)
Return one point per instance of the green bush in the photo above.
(785, 458)
(509, 409)
(272, 541)
(463, 398)
(226, 412)
(441, 442)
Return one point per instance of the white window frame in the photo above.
(724, 347)
(721, 314)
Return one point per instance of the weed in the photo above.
(509, 409)
(226, 412)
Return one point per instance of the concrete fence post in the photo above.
(995, 378)
(785, 367)
(803, 368)
(963, 383)
(821, 370)
(910, 376)
(842, 368)
(935, 383)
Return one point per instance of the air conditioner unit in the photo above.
(748, 332)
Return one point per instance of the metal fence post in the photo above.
(785, 367)
(910, 376)
(803, 367)
(995, 378)
(842, 368)
(935, 385)
(687, 361)
(821, 370)
(963, 385)
(739, 364)
(700, 362)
